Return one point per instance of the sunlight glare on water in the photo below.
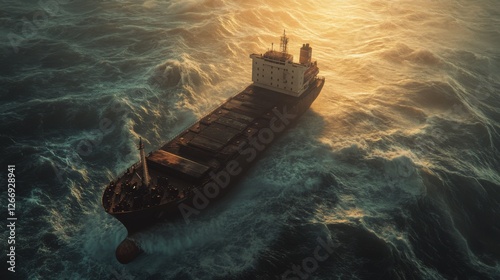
(396, 161)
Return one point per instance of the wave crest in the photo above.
(402, 53)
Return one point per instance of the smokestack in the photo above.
(305, 54)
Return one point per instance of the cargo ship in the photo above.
(196, 167)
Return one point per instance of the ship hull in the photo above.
(223, 175)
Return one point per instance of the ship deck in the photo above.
(185, 162)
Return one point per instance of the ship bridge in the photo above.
(275, 70)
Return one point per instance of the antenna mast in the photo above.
(284, 42)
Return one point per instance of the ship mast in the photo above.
(283, 43)
(145, 173)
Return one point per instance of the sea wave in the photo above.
(396, 162)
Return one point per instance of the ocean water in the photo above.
(396, 164)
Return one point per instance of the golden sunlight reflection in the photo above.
(374, 55)
(341, 216)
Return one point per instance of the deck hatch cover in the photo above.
(178, 163)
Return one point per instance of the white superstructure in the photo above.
(275, 70)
